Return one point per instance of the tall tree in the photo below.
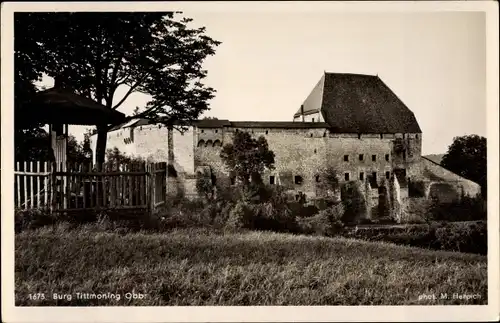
(247, 157)
(156, 53)
(466, 157)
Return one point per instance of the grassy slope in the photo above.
(201, 268)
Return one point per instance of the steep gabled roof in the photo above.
(354, 103)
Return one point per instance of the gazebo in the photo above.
(59, 107)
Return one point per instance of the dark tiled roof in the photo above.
(355, 103)
(212, 123)
(278, 124)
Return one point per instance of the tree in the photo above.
(466, 157)
(247, 157)
(95, 53)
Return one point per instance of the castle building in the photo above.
(351, 123)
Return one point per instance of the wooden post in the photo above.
(129, 184)
(112, 186)
(18, 181)
(45, 185)
(25, 189)
(53, 186)
(150, 175)
(38, 195)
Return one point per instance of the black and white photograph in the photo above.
(290, 156)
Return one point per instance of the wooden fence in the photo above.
(74, 186)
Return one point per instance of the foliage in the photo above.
(326, 222)
(239, 217)
(115, 156)
(467, 209)
(247, 157)
(197, 267)
(354, 202)
(466, 157)
(205, 185)
(96, 53)
(460, 236)
(328, 183)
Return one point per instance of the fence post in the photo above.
(151, 188)
(53, 186)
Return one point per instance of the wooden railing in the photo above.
(81, 186)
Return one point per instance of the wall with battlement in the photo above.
(301, 154)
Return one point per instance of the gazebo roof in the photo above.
(58, 105)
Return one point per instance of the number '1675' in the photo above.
(37, 296)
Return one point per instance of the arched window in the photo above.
(217, 143)
(201, 143)
(209, 143)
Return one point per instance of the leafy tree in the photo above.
(95, 53)
(247, 157)
(466, 157)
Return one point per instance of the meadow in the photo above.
(206, 267)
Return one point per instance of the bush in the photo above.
(354, 202)
(461, 237)
(32, 219)
(467, 209)
(240, 217)
(327, 222)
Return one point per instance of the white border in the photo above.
(251, 313)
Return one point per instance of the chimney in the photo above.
(302, 112)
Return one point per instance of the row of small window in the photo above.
(362, 157)
(347, 176)
(298, 179)
(209, 143)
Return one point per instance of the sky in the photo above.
(268, 63)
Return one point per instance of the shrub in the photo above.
(240, 217)
(327, 222)
(461, 237)
(354, 202)
(467, 209)
(32, 219)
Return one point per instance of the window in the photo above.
(404, 155)
(267, 132)
(346, 157)
(359, 136)
(216, 131)
(374, 157)
(361, 176)
(201, 143)
(317, 178)
(361, 157)
(202, 131)
(233, 180)
(381, 136)
(271, 180)
(387, 175)
(387, 157)
(315, 150)
(374, 175)
(298, 179)
(416, 136)
(311, 135)
(346, 176)
(217, 143)
(313, 120)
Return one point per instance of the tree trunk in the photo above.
(100, 149)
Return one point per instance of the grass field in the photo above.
(198, 267)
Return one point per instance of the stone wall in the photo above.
(439, 180)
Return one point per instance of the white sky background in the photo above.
(269, 62)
